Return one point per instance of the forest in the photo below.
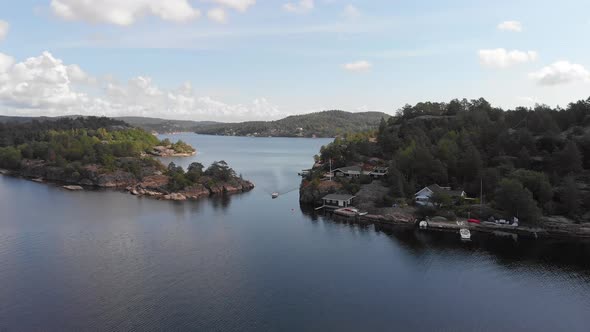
(71, 145)
(319, 124)
(526, 161)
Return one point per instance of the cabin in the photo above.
(379, 172)
(424, 196)
(337, 200)
(348, 172)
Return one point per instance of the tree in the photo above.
(570, 197)
(440, 199)
(538, 183)
(569, 159)
(10, 158)
(194, 172)
(516, 200)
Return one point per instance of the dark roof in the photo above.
(349, 169)
(338, 197)
(436, 188)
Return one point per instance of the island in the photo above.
(463, 163)
(98, 152)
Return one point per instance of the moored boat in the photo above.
(275, 195)
(465, 234)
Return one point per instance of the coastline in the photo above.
(556, 229)
(150, 186)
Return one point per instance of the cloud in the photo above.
(501, 58)
(358, 66)
(515, 26)
(121, 12)
(218, 15)
(561, 72)
(3, 29)
(44, 85)
(240, 5)
(351, 12)
(299, 7)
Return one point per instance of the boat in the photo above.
(465, 234)
(423, 224)
(274, 195)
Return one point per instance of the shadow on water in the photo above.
(566, 255)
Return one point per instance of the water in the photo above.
(111, 261)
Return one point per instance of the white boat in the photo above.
(275, 195)
(423, 224)
(465, 234)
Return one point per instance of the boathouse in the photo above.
(337, 200)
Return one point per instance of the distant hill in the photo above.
(164, 125)
(320, 124)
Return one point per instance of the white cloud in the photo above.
(123, 12)
(515, 26)
(218, 15)
(44, 85)
(501, 58)
(3, 29)
(351, 12)
(6, 63)
(358, 66)
(299, 7)
(561, 72)
(241, 5)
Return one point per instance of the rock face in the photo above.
(310, 193)
(167, 151)
(73, 188)
(155, 184)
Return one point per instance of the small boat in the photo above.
(423, 224)
(274, 195)
(465, 234)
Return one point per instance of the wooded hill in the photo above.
(320, 124)
(530, 161)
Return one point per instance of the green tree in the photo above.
(516, 200)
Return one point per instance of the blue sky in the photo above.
(234, 60)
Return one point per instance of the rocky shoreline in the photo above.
(153, 185)
(167, 151)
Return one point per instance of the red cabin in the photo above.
(475, 221)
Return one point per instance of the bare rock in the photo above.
(73, 188)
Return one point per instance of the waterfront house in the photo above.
(348, 172)
(379, 172)
(424, 196)
(337, 200)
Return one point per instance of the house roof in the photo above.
(435, 188)
(338, 197)
(349, 169)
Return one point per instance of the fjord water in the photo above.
(106, 260)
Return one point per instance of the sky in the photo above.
(238, 60)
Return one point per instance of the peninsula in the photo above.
(465, 160)
(105, 153)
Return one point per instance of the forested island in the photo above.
(319, 124)
(480, 161)
(108, 153)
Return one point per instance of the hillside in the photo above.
(165, 125)
(320, 124)
(526, 162)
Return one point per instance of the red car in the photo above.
(475, 221)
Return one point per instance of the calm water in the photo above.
(110, 261)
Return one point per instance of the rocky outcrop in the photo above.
(154, 184)
(117, 179)
(312, 193)
(73, 188)
(167, 151)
